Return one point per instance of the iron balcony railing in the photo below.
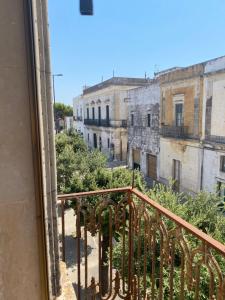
(179, 132)
(106, 123)
(215, 139)
(129, 247)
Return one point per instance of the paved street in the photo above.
(70, 246)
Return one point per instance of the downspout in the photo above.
(43, 73)
(32, 79)
(202, 168)
(51, 144)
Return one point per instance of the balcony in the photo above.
(158, 250)
(215, 139)
(106, 123)
(178, 132)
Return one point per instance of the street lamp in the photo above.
(53, 84)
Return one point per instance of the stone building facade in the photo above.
(78, 114)
(143, 129)
(214, 126)
(192, 126)
(105, 115)
(181, 119)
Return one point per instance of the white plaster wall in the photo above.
(116, 98)
(218, 107)
(211, 169)
(68, 123)
(190, 156)
(78, 104)
(215, 64)
(105, 134)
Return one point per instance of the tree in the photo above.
(62, 110)
(79, 169)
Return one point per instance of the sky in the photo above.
(130, 37)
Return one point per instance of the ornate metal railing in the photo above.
(142, 250)
(179, 132)
(106, 123)
(215, 139)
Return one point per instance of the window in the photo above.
(95, 140)
(149, 120)
(132, 119)
(93, 113)
(108, 143)
(99, 114)
(88, 113)
(100, 143)
(179, 114)
(222, 163)
(107, 112)
(88, 137)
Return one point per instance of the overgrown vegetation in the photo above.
(79, 169)
(204, 212)
(62, 110)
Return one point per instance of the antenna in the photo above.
(156, 68)
(145, 75)
(113, 73)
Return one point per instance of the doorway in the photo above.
(152, 166)
(176, 175)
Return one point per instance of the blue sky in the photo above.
(131, 37)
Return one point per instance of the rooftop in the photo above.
(122, 81)
(208, 66)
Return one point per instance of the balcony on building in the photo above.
(172, 131)
(106, 123)
(215, 139)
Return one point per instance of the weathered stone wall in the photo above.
(213, 122)
(190, 87)
(144, 101)
(211, 168)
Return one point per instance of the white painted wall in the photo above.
(78, 111)
(211, 170)
(215, 65)
(218, 107)
(190, 155)
(68, 123)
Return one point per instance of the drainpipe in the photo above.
(44, 86)
(202, 167)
